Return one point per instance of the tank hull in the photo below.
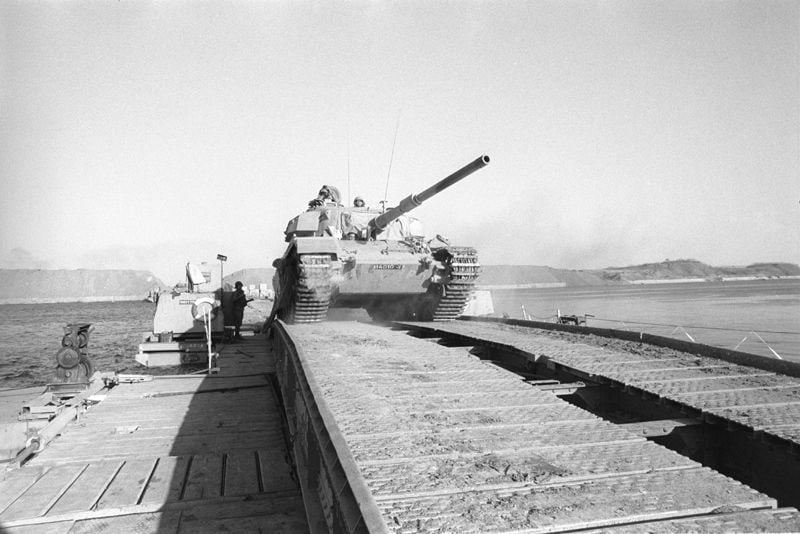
(391, 280)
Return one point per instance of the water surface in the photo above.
(30, 337)
(721, 314)
(714, 313)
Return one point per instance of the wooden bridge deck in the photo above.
(174, 454)
(763, 402)
(446, 442)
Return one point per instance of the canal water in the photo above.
(757, 316)
(30, 337)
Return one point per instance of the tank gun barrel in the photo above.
(412, 201)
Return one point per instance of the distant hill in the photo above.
(695, 270)
(663, 272)
(77, 285)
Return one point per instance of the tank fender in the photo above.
(318, 245)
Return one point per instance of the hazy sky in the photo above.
(146, 134)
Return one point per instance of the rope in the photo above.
(676, 328)
(543, 318)
(698, 327)
(527, 316)
(767, 344)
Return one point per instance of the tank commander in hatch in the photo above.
(328, 194)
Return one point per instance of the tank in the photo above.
(358, 257)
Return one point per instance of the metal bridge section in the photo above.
(395, 433)
(745, 408)
(760, 395)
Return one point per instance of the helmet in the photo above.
(238, 284)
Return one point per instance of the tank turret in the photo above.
(356, 257)
(413, 201)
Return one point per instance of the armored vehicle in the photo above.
(357, 257)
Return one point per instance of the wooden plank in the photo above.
(278, 514)
(205, 477)
(129, 484)
(143, 434)
(777, 520)
(479, 472)
(700, 378)
(235, 506)
(167, 447)
(17, 484)
(168, 387)
(247, 440)
(170, 421)
(167, 481)
(486, 440)
(452, 402)
(165, 522)
(760, 417)
(61, 527)
(366, 423)
(194, 441)
(241, 473)
(282, 523)
(599, 503)
(38, 498)
(134, 406)
(87, 489)
(276, 474)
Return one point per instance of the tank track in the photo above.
(312, 290)
(463, 270)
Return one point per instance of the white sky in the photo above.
(146, 134)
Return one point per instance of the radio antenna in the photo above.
(391, 158)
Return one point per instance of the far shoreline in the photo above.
(479, 287)
(65, 300)
(656, 281)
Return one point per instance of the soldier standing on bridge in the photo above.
(239, 303)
